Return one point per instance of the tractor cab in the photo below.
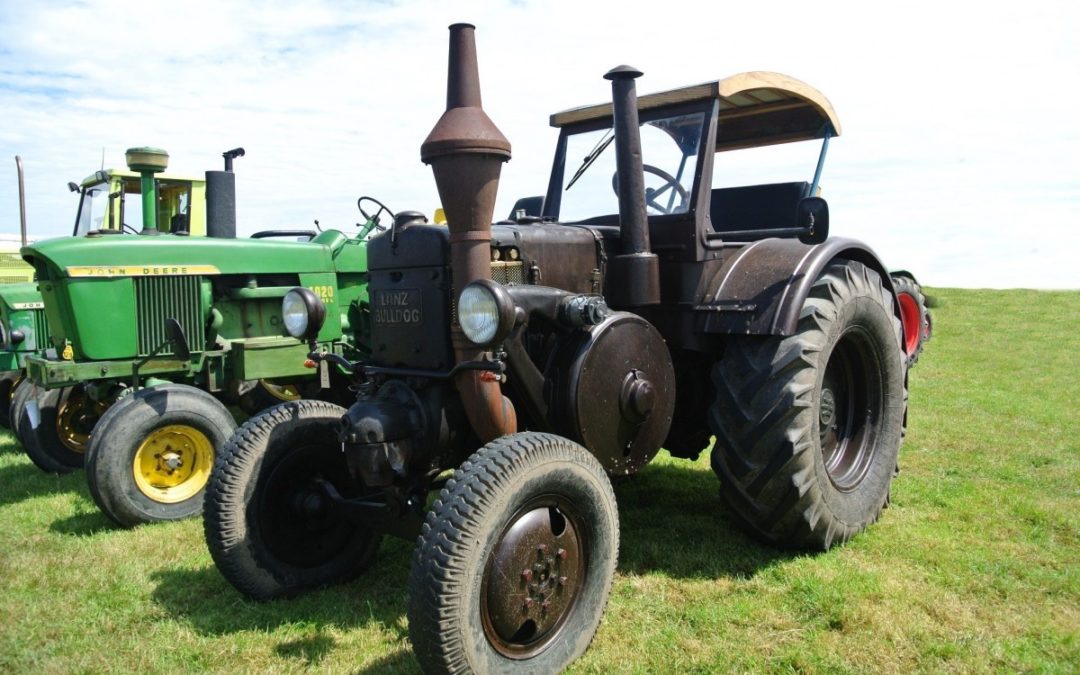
(110, 200)
(683, 132)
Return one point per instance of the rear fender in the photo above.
(760, 289)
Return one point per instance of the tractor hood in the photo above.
(20, 296)
(171, 255)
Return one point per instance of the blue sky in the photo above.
(959, 158)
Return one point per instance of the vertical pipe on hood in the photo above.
(634, 275)
(466, 152)
(22, 199)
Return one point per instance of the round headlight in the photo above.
(485, 312)
(303, 313)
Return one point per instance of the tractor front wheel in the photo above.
(8, 382)
(515, 560)
(271, 530)
(808, 427)
(151, 453)
(65, 419)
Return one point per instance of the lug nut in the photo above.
(562, 581)
(545, 605)
(528, 604)
(542, 548)
(527, 575)
(561, 553)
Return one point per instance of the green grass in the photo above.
(974, 567)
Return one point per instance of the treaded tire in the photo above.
(798, 466)
(916, 323)
(259, 542)
(44, 445)
(122, 435)
(8, 382)
(455, 585)
(23, 391)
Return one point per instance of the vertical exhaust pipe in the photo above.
(466, 152)
(635, 273)
(221, 198)
(22, 199)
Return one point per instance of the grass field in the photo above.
(974, 567)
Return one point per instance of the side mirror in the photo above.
(812, 217)
(175, 334)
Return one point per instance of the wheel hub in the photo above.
(173, 463)
(533, 576)
(827, 415)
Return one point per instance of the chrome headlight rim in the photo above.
(500, 316)
(307, 323)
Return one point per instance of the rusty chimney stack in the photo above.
(466, 152)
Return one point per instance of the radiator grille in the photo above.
(508, 273)
(41, 329)
(160, 298)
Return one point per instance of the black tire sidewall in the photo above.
(867, 315)
(110, 455)
(577, 477)
(8, 382)
(233, 498)
(43, 445)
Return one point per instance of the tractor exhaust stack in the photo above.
(221, 198)
(466, 152)
(635, 273)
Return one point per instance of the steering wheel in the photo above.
(374, 219)
(651, 194)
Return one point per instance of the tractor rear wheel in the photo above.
(515, 560)
(151, 453)
(8, 382)
(270, 529)
(66, 418)
(915, 318)
(808, 427)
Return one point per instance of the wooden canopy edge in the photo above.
(729, 89)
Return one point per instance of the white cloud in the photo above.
(959, 159)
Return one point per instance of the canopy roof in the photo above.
(756, 108)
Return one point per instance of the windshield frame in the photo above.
(559, 169)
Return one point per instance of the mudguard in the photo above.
(760, 288)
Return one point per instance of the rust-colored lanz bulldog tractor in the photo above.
(537, 357)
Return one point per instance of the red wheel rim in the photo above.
(909, 318)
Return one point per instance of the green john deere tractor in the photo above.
(153, 334)
(103, 196)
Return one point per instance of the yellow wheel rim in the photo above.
(72, 422)
(282, 392)
(173, 463)
(14, 383)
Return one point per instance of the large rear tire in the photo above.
(515, 561)
(808, 427)
(151, 453)
(268, 527)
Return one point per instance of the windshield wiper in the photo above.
(591, 157)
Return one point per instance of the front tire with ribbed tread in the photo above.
(465, 577)
(258, 529)
(123, 435)
(808, 427)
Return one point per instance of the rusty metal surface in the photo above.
(466, 152)
(532, 579)
(612, 389)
